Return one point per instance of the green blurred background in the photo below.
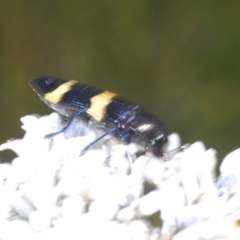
(179, 59)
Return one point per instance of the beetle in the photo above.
(121, 118)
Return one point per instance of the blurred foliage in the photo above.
(179, 59)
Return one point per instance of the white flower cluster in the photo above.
(51, 192)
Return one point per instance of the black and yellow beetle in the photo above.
(126, 120)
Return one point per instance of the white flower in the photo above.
(51, 191)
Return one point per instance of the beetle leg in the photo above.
(70, 120)
(125, 135)
(98, 139)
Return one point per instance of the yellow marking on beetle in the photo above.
(56, 95)
(99, 105)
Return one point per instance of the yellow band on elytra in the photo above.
(56, 95)
(99, 105)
